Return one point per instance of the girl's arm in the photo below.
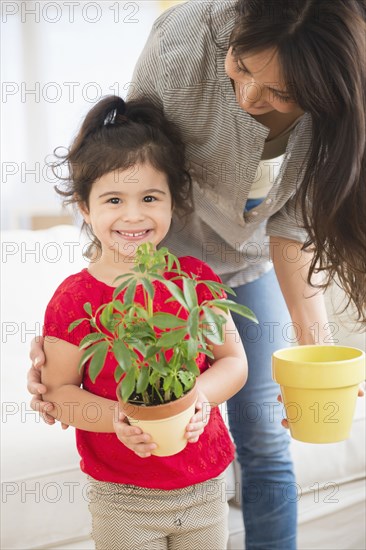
(71, 404)
(305, 304)
(229, 370)
(226, 376)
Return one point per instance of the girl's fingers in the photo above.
(133, 437)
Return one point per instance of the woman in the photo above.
(270, 100)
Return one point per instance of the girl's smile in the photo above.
(133, 234)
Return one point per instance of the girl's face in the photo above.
(127, 208)
(259, 88)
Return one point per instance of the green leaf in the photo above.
(169, 339)
(191, 366)
(148, 287)
(123, 276)
(98, 360)
(120, 306)
(130, 293)
(213, 318)
(212, 324)
(75, 324)
(139, 346)
(189, 291)
(122, 286)
(167, 382)
(118, 373)
(143, 380)
(217, 288)
(192, 323)
(178, 388)
(166, 320)
(141, 312)
(106, 317)
(159, 367)
(87, 307)
(91, 338)
(122, 354)
(140, 332)
(192, 348)
(121, 331)
(207, 352)
(213, 333)
(151, 351)
(187, 379)
(171, 260)
(177, 294)
(88, 354)
(154, 377)
(237, 308)
(128, 385)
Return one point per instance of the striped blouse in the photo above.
(182, 70)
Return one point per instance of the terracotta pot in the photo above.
(319, 386)
(165, 423)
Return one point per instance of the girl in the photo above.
(127, 174)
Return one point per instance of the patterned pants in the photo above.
(126, 517)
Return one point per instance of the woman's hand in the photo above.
(200, 419)
(34, 384)
(132, 436)
(284, 422)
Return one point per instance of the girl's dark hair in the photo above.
(116, 135)
(321, 47)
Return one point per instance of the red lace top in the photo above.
(103, 456)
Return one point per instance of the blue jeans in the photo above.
(269, 492)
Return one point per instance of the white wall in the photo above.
(58, 58)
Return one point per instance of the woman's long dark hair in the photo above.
(117, 135)
(321, 47)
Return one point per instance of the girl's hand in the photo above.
(284, 422)
(200, 419)
(132, 436)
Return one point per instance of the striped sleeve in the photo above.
(148, 76)
(288, 222)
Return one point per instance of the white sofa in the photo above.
(44, 495)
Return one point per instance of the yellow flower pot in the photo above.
(319, 386)
(165, 423)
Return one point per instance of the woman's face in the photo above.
(259, 88)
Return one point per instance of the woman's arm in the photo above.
(71, 404)
(305, 304)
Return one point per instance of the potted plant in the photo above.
(156, 351)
